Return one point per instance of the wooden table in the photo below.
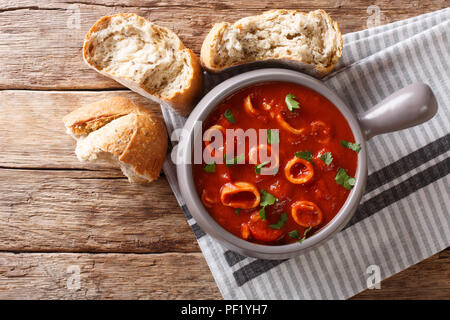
(59, 216)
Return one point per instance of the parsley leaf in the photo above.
(260, 166)
(229, 116)
(267, 199)
(343, 179)
(291, 103)
(273, 136)
(294, 234)
(210, 167)
(307, 155)
(238, 159)
(327, 158)
(353, 146)
(237, 211)
(262, 213)
(280, 222)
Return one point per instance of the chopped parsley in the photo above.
(294, 234)
(280, 222)
(262, 213)
(291, 103)
(267, 199)
(307, 155)
(210, 167)
(235, 160)
(260, 166)
(237, 211)
(353, 146)
(229, 116)
(343, 179)
(273, 136)
(327, 158)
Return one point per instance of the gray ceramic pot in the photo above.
(405, 108)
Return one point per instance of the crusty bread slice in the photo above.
(119, 131)
(148, 59)
(310, 42)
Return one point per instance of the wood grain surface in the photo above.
(127, 241)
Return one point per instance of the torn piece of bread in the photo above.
(148, 59)
(310, 42)
(120, 131)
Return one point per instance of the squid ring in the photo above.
(208, 135)
(306, 173)
(287, 126)
(306, 214)
(241, 195)
(248, 106)
(261, 231)
(207, 200)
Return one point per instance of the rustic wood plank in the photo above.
(87, 211)
(165, 276)
(32, 131)
(47, 38)
(106, 276)
(429, 279)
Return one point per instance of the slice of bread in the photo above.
(309, 42)
(120, 131)
(148, 59)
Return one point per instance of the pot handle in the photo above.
(405, 108)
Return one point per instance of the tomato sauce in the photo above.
(306, 191)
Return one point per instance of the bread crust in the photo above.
(138, 138)
(207, 53)
(183, 101)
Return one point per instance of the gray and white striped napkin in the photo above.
(404, 216)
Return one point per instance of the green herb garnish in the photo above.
(229, 116)
(210, 167)
(235, 160)
(273, 136)
(343, 179)
(291, 103)
(237, 211)
(267, 199)
(262, 213)
(307, 155)
(260, 166)
(294, 234)
(280, 222)
(353, 146)
(327, 158)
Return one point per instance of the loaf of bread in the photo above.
(148, 59)
(120, 131)
(309, 42)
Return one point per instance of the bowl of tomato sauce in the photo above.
(272, 162)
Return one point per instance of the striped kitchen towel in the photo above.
(404, 216)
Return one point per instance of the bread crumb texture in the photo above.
(118, 131)
(310, 38)
(127, 46)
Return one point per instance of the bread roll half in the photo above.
(148, 59)
(122, 132)
(310, 42)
